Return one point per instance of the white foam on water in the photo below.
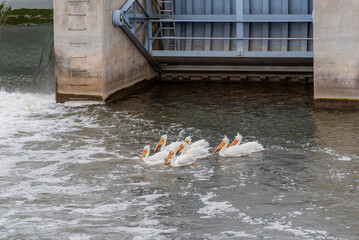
(235, 234)
(148, 222)
(203, 174)
(103, 210)
(296, 231)
(153, 207)
(284, 225)
(153, 197)
(280, 148)
(214, 209)
(27, 223)
(252, 221)
(183, 194)
(8, 164)
(16, 107)
(29, 121)
(80, 237)
(144, 233)
(344, 158)
(32, 189)
(340, 157)
(140, 184)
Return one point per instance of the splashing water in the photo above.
(63, 166)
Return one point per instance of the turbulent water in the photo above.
(70, 172)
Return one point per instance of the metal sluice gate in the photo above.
(233, 36)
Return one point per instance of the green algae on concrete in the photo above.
(9, 16)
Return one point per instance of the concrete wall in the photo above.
(336, 53)
(93, 59)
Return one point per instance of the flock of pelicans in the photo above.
(179, 154)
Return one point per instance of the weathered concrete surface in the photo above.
(336, 53)
(93, 59)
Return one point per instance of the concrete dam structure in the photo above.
(106, 49)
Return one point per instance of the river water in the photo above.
(70, 172)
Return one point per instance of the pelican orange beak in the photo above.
(186, 141)
(235, 141)
(143, 154)
(179, 149)
(168, 157)
(162, 141)
(221, 145)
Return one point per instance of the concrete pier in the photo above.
(336, 54)
(94, 60)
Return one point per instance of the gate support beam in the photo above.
(121, 18)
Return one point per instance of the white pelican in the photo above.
(200, 143)
(198, 150)
(226, 151)
(249, 147)
(237, 151)
(237, 140)
(163, 142)
(155, 159)
(179, 161)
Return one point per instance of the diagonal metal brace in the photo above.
(121, 18)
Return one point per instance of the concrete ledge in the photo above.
(125, 92)
(338, 104)
(64, 97)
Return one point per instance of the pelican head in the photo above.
(170, 154)
(161, 142)
(188, 140)
(223, 143)
(184, 144)
(237, 140)
(145, 152)
(181, 147)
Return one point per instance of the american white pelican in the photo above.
(155, 159)
(200, 143)
(226, 151)
(167, 148)
(179, 161)
(249, 147)
(237, 140)
(198, 150)
(237, 151)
